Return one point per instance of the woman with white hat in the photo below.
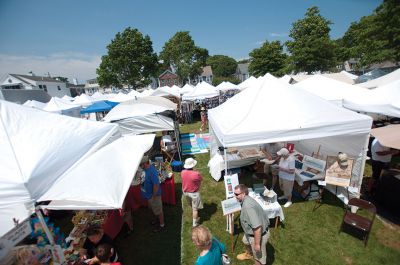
(191, 182)
(286, 175)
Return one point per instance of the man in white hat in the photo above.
(191, 182)
(286, 175)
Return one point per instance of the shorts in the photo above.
(271, 170)
(156, 205)
(194, 199)
(261, 256)
(286, 186)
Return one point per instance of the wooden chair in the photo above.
(360, 222)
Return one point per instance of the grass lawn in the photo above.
(307, 236)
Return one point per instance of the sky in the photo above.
(68, 37)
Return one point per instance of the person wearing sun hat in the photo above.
(286, 175)
(191, 183)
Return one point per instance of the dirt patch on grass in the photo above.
(389, 236)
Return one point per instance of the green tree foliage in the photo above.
(269, 58)
(130, 60)
(222, 66)
(219, 79)
(311, 48)
(183, 55)
(376, 37)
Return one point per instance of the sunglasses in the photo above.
(237, 194)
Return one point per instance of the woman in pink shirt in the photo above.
(191, 182)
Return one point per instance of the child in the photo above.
(104, 253)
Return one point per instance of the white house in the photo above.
(50, 85)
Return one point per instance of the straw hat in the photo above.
(190, 163)
(342, 159)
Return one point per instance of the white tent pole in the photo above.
(364, 158)
(226, 162)
(44, 225)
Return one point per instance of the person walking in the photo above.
(204, 119)
(191, 182)
(255, 227)
(151, 191)
(211, 249)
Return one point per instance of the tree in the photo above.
(222, 66)
(269, 58)
(311, 48)
(376, 37)
(219, 79)
(130, 60)
(181, 53)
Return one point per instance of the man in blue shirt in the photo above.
(151, 191)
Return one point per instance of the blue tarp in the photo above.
(97, 107)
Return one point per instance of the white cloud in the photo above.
(260, 42)
(278, 35)
(66, 64)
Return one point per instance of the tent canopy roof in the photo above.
(274, 112)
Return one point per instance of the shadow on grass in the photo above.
(144, 247)
(208, 211)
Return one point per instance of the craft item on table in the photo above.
(39, 234)
(32, 255)
(232, 150)
(248, 153)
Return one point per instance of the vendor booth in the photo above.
(273, 112)
(61, 106)
(61, 166)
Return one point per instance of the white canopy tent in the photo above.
(330, 89)
(62, 164)
(383, 100)
(83, 100)
(34, 104)
(383, 80)
(97, 96)
(121, 97)
(202, 90)
(146, 93)
(187, 88)
(227, 86)
(61, 106)
(251, 81)
(295, 116)
(142, 115)
(166, 91)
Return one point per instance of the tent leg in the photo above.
(56, 251)
(226, 162)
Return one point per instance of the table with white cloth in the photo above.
(272, 210)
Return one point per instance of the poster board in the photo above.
(313, 163)
(335, 175)
(230, 206)
(231, 181)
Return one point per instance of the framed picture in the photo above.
(337, 175)
(230, 206)
(231, 181)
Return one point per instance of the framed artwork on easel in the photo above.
(336, 174)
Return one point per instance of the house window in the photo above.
(204, 78)
(40, 86)
(163, 82)
(45, 87)
(58, 87)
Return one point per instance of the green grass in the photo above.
(307, 236)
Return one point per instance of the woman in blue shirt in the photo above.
(210, 248)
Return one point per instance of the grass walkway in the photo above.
(307, 237)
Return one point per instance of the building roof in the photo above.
(36, 78)
(207, 71)
(22, 95)
(243, 68)
(167, 72)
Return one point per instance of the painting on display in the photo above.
(336, 175)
